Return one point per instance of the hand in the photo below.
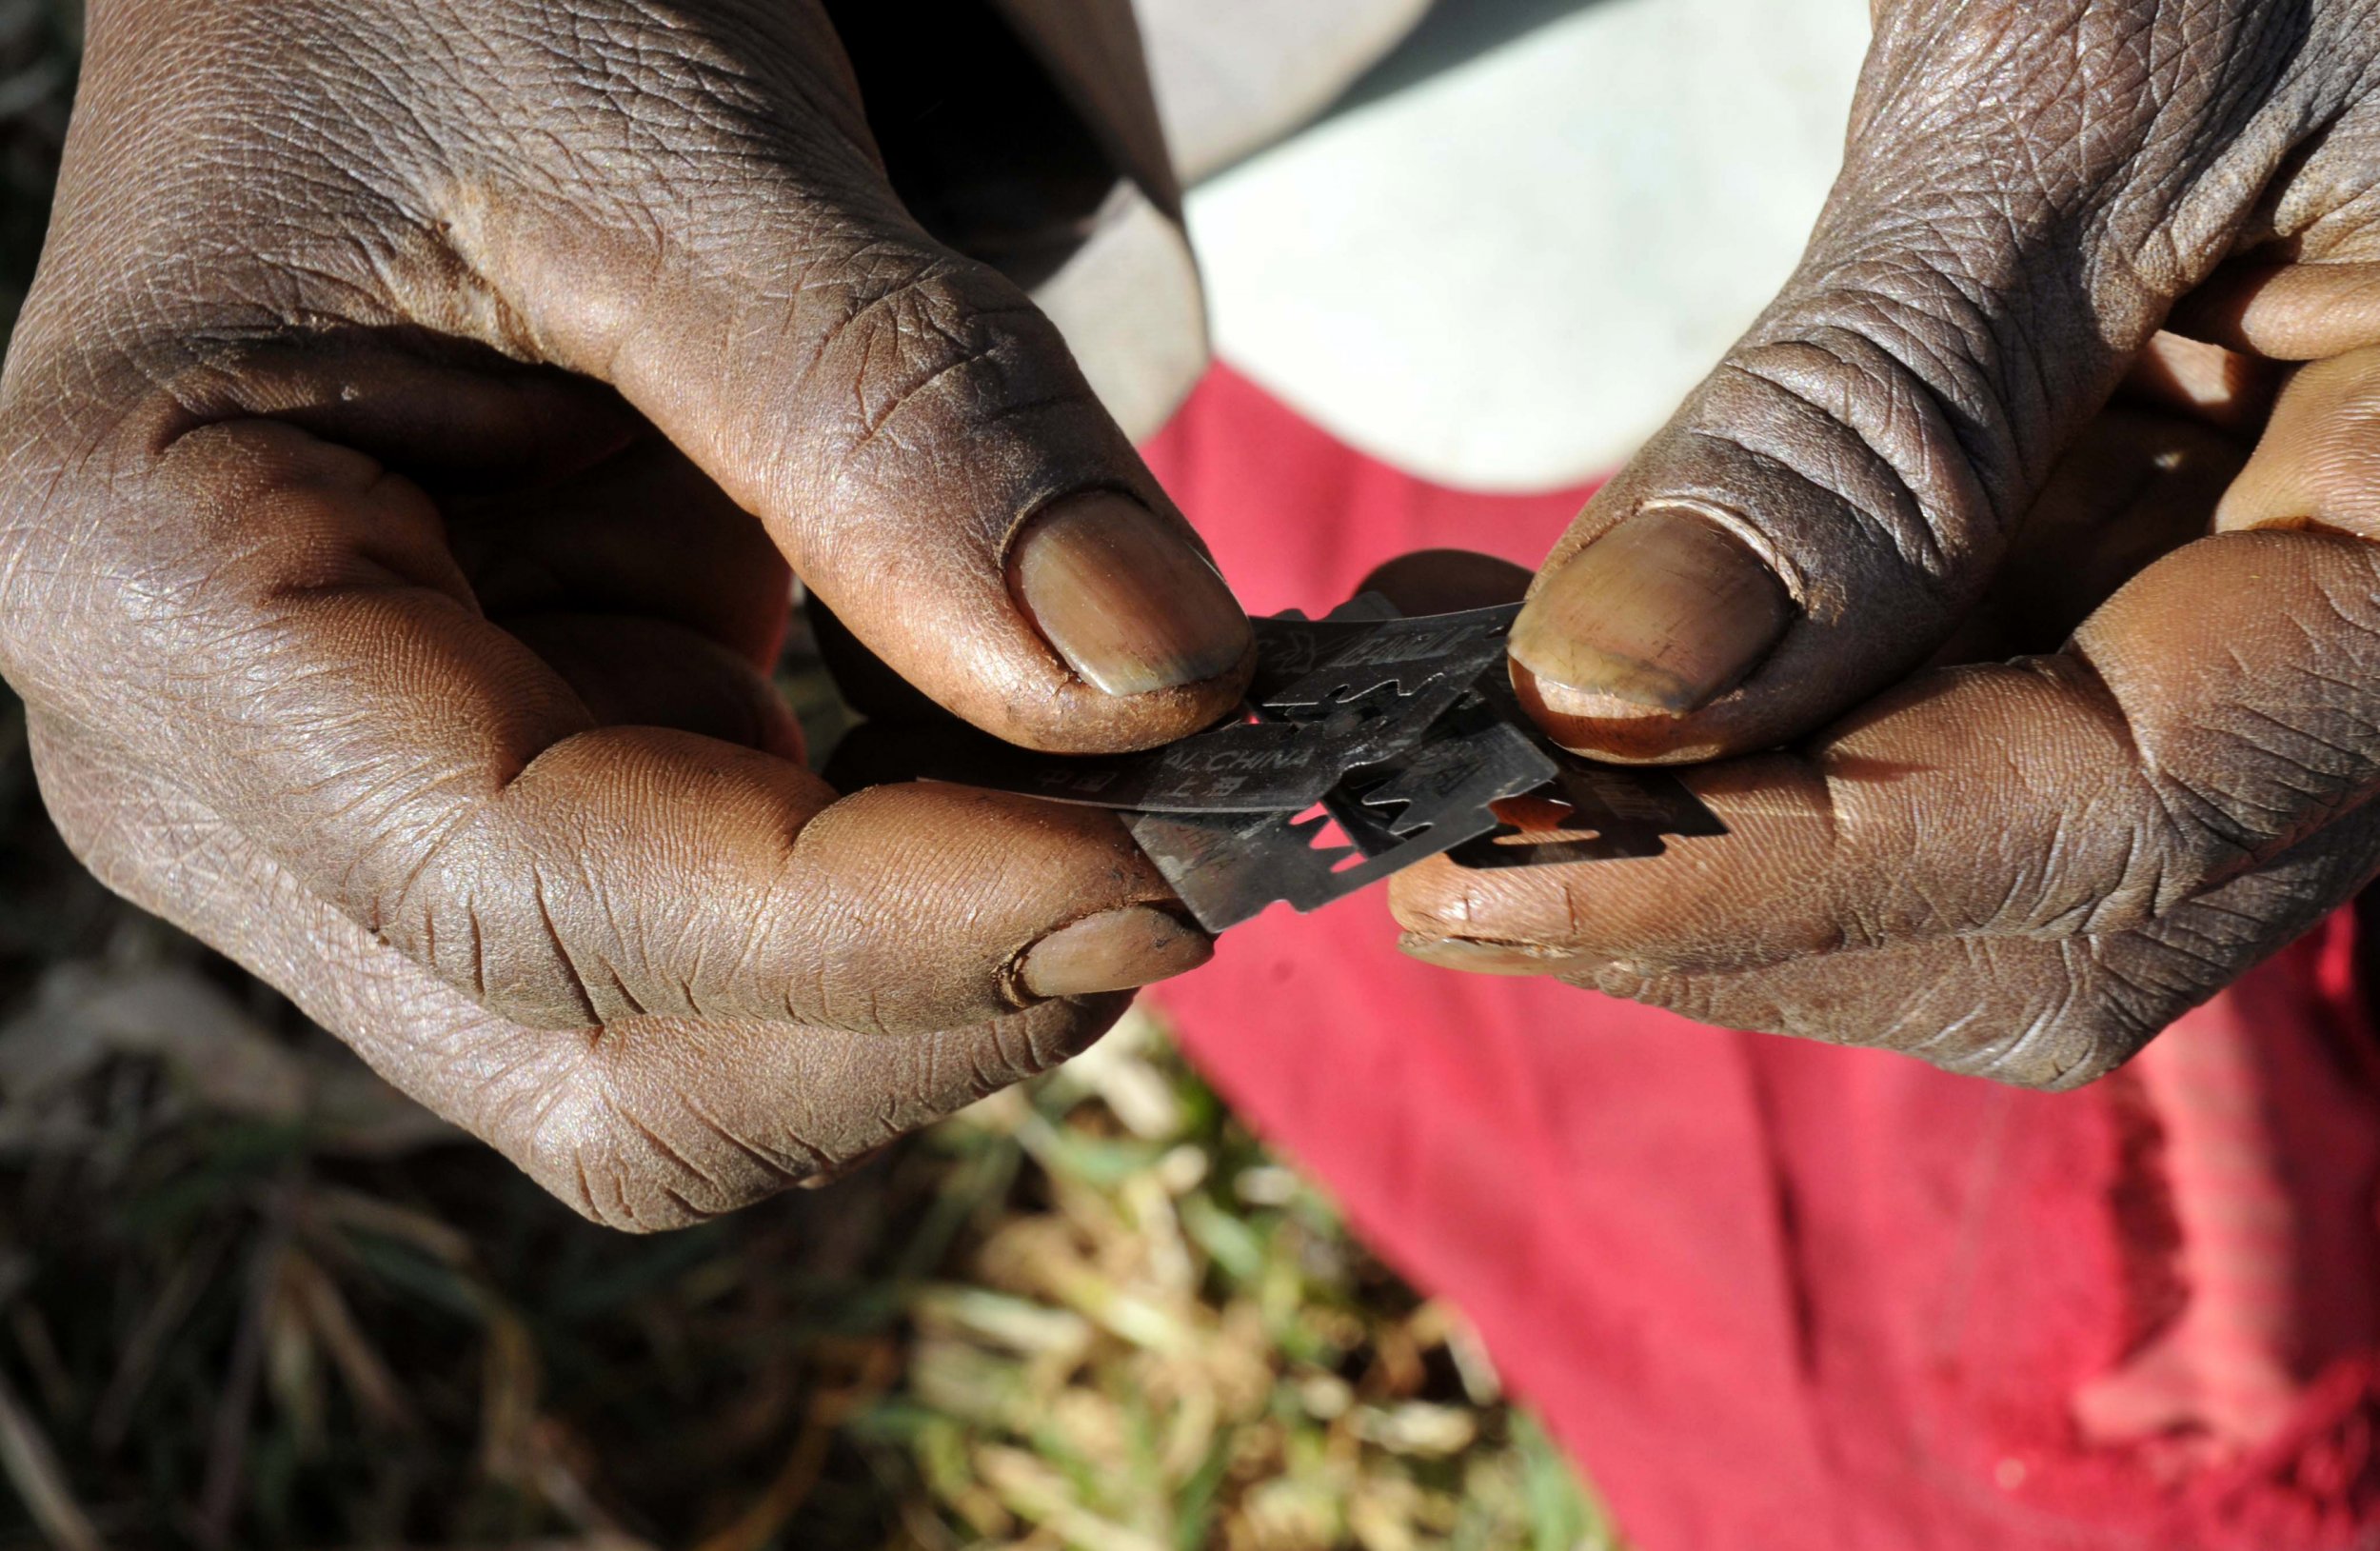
(2024, 869)
(376, 455)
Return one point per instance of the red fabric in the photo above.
(1774, 1295)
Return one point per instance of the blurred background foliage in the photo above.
(251, 1298)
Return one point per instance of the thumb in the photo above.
(2026, 192)
(911, 428)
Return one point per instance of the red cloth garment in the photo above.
(1779, 1297)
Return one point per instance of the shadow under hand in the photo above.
(1453, 33)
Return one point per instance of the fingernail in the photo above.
(1476, 957)
(1661, 614)
(1124, 598)
(1117, 951)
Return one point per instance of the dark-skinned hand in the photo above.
(2023, 868)
(405, 453)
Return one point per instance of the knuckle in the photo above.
(83, 803)
(2017, 1012)
(2255, 780)
(617, 1141)
(1053, 1033)
(925, 345)
(2062, 1046)
(2218, 818)
(2107, 999)
(653, 1124)
(1879, 404)
(495, 930)
(37, 492)
(2121, 865)
(944, 1073)
(2271, 732)
(682, 77)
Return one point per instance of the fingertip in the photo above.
(2284, 311)
(1645, 626)
(1074, 718)
(2316, 465)
(1438, 900)
(1505, 922)
(1125, 599)
(1117, 950)
(1609, 729)
(1475, 956)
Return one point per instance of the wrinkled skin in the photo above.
(406, 456)
(2025, 868)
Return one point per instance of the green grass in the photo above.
(253, 1299)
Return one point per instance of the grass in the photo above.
(250, 1298)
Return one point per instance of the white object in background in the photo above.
(1128, 303)
(1234, 75)
(1506, 276)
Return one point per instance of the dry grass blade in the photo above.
(32, 1468)
(761, 1525)
(227, 1437)
(138, 1359)
(316, 1299)
(1183, 1348)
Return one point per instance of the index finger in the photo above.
(324, 681)
(2211, 715)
